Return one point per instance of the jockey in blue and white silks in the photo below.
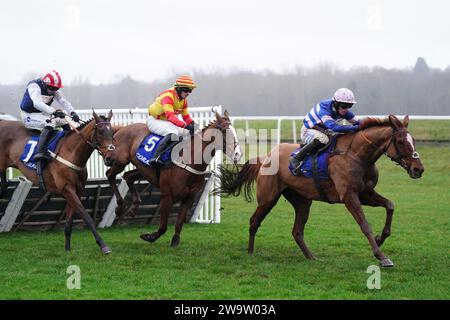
(326, 115)
(37, 112)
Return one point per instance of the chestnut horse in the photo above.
(180, 182)
(67, 179)
(352, 179)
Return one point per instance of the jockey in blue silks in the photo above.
(38, 114)
(325, 116)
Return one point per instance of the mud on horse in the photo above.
(67, 174)
(352, 179)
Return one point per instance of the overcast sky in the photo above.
(152, 39)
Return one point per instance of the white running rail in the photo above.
(299, 121)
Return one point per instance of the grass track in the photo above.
(211, 261)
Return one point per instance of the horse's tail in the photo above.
(233, 180)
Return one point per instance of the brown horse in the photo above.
(180, 182)
(352, 179)
(68, 175)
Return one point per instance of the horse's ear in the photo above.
(96, 117)
(110, 114)
(406, 121)
(226, 115)
(218, 117)
(395, 123)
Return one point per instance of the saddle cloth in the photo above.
(307, 167)
(30, 149)
(147, 149)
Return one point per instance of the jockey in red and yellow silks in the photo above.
(163, 114)
(168, 105)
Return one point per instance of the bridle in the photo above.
(94, 142)
(200, 134)
(398, 159)
(224, 148)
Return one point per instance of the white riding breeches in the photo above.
(308, 135)
(163, 127)
(39, 120)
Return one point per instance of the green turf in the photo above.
(211, 261)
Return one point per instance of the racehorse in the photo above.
(180, 182)
(352, 179)
(67, 174)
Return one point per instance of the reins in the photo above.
(187, 167)
(94, 144)
(200, 134)
(398, 159)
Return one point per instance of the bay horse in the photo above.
(180, 182)
(352, 179)
(67, 174)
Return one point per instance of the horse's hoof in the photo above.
(106, 250)
(149, 237)
(175, 242)
(386, 263)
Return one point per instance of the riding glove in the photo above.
(190, 127)
(58, 113)
(75, 116)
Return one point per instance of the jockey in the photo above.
(322, 118)
(162, 118)
(37, 113)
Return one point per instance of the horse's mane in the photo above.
(374, 122)
(209, 125)
(84, 124)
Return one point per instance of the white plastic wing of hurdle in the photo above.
(110, 213)
(15, 204)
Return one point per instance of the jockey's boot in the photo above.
(297, 160)
(44, 138)
(165, 143)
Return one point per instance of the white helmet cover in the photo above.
(344, 95)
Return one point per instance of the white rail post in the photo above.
(246, 132)
(279, 130)
(294, 130)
